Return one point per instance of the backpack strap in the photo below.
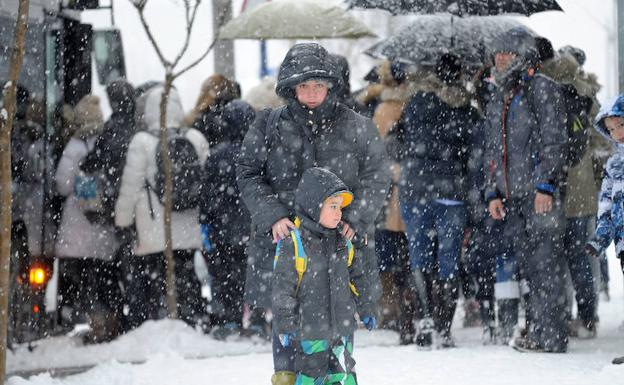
(271, 127)
(301, 258)
(350, 256)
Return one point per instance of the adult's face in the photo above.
(311, 93)
(502, 60)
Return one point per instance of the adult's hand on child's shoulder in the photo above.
(281, 229)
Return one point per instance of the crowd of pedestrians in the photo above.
(447, 182)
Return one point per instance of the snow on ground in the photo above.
(174, 353)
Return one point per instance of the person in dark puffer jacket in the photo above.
(225, 219)
(315, 309)
(436, 133)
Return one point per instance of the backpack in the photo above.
(95, 194)
(577, 122)
(301, 258)
(96, 197)
(186, 172)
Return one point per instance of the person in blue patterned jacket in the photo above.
(610, 225)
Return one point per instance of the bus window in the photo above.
(108, 54)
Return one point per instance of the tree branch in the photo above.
(140, 6)
(189, 29)
(198, 60)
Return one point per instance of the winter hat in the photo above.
(121, 96)
(303, 62)
(316, 185)
(518, 41)
(238, 116)
(448, 68)
(577, 53)
(88, 117)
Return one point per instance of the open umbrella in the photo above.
(294, 19)
(428, 37)
(460, 7)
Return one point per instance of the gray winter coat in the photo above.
(532, 156)
(323, 306)
(269, 173)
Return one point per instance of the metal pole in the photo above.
(264, 68)
(620, 43)
(223, 49)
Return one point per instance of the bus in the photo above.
(64, 60)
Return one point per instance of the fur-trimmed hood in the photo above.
(151, 116)
(398, 93)
(455, 95)
(613, 109)
(88, 117)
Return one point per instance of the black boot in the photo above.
(507, 318)
(423, 286)
(446, 302)
(407, 331)
(488, 319)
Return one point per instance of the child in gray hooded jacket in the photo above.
(318, 286)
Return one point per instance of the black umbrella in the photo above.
(460, 7)
(428, 37)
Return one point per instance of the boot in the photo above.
(283, 378)
(387, 303)
(424, 338)
(488, 319)
(423, 286)
(445, 304)
(407, 331)
(507, 318)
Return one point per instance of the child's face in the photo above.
(615, 125)
(331, 212)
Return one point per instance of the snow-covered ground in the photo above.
(168, 352)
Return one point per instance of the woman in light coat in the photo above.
(133, 207)
(82, 247)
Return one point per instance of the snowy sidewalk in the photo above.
(169, 352)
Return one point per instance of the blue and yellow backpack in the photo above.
(301, 258)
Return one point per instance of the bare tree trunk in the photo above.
(164, 148)
(170, 77)
(6, 124)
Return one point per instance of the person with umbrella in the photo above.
(525, 159)
(312, 130)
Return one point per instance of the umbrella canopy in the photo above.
(460, 7)
(428, 37)
(294, 19)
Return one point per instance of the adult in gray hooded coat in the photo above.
(525, 158)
